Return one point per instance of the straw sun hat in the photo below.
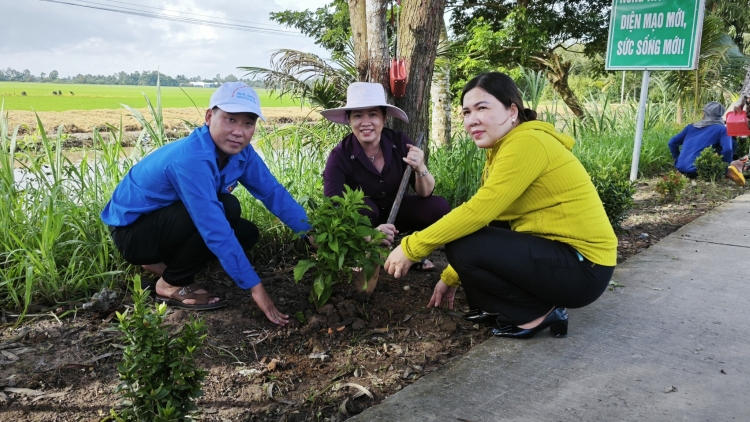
(363, 95)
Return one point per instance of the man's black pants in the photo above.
(521, 276)
(169, 235)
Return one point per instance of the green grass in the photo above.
(102, 97)
(55, 249)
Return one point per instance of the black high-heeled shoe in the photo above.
(557, 321)
(478, 316)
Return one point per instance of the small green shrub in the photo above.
(345, 239)
(670, 186)
(742, 148)
(710, 166)
(615, 191)
(158, 376)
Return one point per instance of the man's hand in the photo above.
(389, 230)
(442, 295)
(397, 263)
(310, 239)
(264, 302)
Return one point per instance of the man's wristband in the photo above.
(423, 174)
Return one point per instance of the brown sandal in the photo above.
(177, 299)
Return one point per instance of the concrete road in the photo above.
(671, 344)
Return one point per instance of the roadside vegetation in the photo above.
(54, 248)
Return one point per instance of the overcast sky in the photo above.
(43, 36)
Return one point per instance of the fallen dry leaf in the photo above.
(9, 355)
(24, 391)
(49, 396)
(320, 355)
(358, 387)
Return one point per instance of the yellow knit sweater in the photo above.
(532, 180)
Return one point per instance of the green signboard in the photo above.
(654, 34)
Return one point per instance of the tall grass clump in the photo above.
(457, 169)
(53, 247)
(615, 148)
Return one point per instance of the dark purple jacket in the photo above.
(349, 165)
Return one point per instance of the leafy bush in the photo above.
(742, 148)
(158, 376)
(345, 239)
(670, 186)
(710, 166)
(615, 191)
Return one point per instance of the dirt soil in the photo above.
(346, 356)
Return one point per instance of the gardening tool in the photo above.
(367, 286)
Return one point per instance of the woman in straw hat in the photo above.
(373, 158)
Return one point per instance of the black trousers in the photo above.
(169, 235)
(521, 276)
(415, 213)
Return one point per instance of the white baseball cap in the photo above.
(236, 97)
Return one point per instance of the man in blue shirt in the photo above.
(174, 211)
(708, 132)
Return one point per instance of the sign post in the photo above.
(653, 35)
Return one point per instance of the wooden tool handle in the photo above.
(402, 186)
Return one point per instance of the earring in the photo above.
(513, 121)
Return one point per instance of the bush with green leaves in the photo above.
(345, 239)
(742, 148)
(709, 166)
(615, 190)
(159, 378)
(670, 186)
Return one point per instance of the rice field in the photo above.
(39, 96)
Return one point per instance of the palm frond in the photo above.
(308, 77)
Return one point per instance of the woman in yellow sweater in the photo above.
(534, 239)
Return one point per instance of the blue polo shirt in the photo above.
(186, 170)
(694, 140)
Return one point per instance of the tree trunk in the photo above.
(557, 73)
(378, 57)
(441, 99)
(358, 20)
(418, 34)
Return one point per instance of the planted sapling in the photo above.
(159, 378)
(345, 240)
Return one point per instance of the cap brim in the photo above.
(338, 115)
(239, 108)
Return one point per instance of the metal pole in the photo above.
(639, 126)
(622, 89)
